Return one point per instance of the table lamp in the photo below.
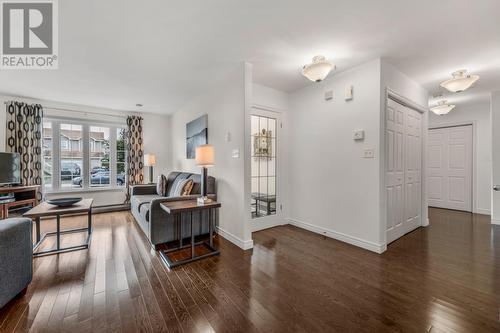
(150, 161)
(204, 159)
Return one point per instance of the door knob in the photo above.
(496, 187)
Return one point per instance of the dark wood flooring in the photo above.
(444, 278)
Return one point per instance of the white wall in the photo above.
(156, 138)
(225, 104)
(479, 116)
(403, 85)
(333, 189)
(495, 139)
(270, 98)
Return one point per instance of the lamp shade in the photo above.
(205, 155)
(149, 159)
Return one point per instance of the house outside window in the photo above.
(84, 156)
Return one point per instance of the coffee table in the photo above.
(45, 210)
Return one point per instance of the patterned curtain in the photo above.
(135, 153)
(24, 136)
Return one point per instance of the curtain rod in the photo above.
(87, 112)
(84, 112)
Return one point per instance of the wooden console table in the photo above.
(176, 209)
(23, 195)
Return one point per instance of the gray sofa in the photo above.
(16, 257)
(157, 224)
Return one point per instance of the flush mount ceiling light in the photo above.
(318, 70)
(460, 82)
(442, 108)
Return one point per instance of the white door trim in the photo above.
(277, 219)
(393, 95)
(472, 123)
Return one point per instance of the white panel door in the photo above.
(413, 168)
(403, 140)
(449, 168)
(435, 167)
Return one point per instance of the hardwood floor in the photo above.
(443, 278)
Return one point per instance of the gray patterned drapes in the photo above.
(135, 152)
(24, 136)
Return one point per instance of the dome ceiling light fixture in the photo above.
(442, 108)
(318, 70)
(460, 82)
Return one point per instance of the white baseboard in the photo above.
(426, 223)
(371, 246)
(482, 211)
(495, 221)
(245, 245)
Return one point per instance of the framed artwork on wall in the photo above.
(196, 134)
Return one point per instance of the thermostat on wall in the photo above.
(359, 134)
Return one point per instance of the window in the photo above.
(71, 157)
(82, 156)
(47, 154)
(99, 157)
(64, 143)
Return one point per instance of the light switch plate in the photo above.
(328, 95)
(369, 153)
(236, 153)
(348, 93)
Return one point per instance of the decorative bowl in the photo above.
(64, 202)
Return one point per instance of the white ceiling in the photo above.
(117, 53)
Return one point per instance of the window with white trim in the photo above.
(80, 155)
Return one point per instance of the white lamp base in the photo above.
(203, 200)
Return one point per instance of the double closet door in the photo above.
(403, 139)
(449, 168)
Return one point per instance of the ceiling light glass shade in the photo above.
(460, 82)
(318, 70)
(442, 108)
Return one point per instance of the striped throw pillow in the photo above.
(183, 188)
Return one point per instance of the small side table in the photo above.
(176, 209)
(45, 209)
(268, 200)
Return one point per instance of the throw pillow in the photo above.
(187, 187)
(183, 188)
(161, 185)
(175, 183)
